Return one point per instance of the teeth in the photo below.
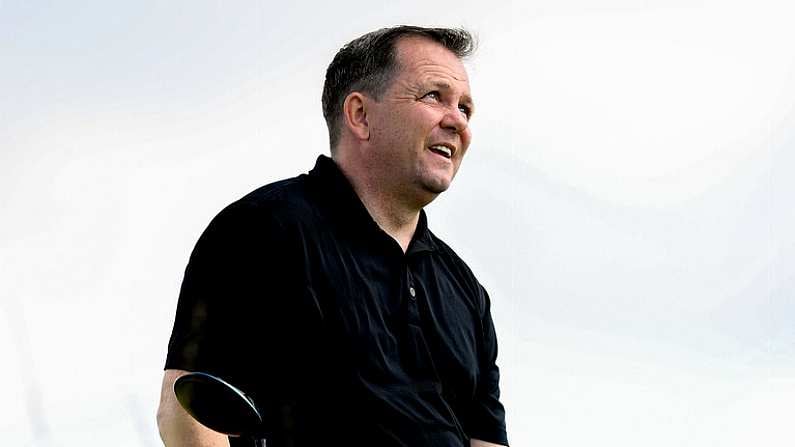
(444, 149)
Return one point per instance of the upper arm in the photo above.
(177, 427)
(214, 316)
(230, 291)
(485, 415)
(230, 299)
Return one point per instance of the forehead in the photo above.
(422, 60)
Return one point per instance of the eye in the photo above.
(435, 95)
(466, 110)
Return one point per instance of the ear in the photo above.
(354, 113)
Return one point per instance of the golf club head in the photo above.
(217, 404)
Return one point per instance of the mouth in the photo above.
(443, 150)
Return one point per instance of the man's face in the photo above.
(419, 129)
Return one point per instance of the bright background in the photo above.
(627, 201)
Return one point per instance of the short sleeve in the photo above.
(485, 416)
(230, 295)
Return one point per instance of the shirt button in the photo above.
(412, 292)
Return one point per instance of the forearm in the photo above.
(176, 431)
(479, 443)
(178, 428)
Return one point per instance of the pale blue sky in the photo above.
(626, 201)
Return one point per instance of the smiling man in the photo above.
(326, 297)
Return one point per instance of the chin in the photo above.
(436, 187)
(435, 183)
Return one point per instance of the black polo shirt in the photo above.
(294, 294)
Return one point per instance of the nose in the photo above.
(455, 120)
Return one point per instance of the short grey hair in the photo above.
(368, 64)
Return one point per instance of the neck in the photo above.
(396, 216)
(398, 222)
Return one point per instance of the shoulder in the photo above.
(278, 204)
(263, 216)
(450, 257)
(277, 198)
(462, 272)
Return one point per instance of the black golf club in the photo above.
(219, 406)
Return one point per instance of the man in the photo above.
(326, 298)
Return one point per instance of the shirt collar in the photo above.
(349, 211)
(423, 239)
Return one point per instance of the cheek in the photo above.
(466, 138)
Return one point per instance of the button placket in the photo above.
(410, 283)
(413, 309)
